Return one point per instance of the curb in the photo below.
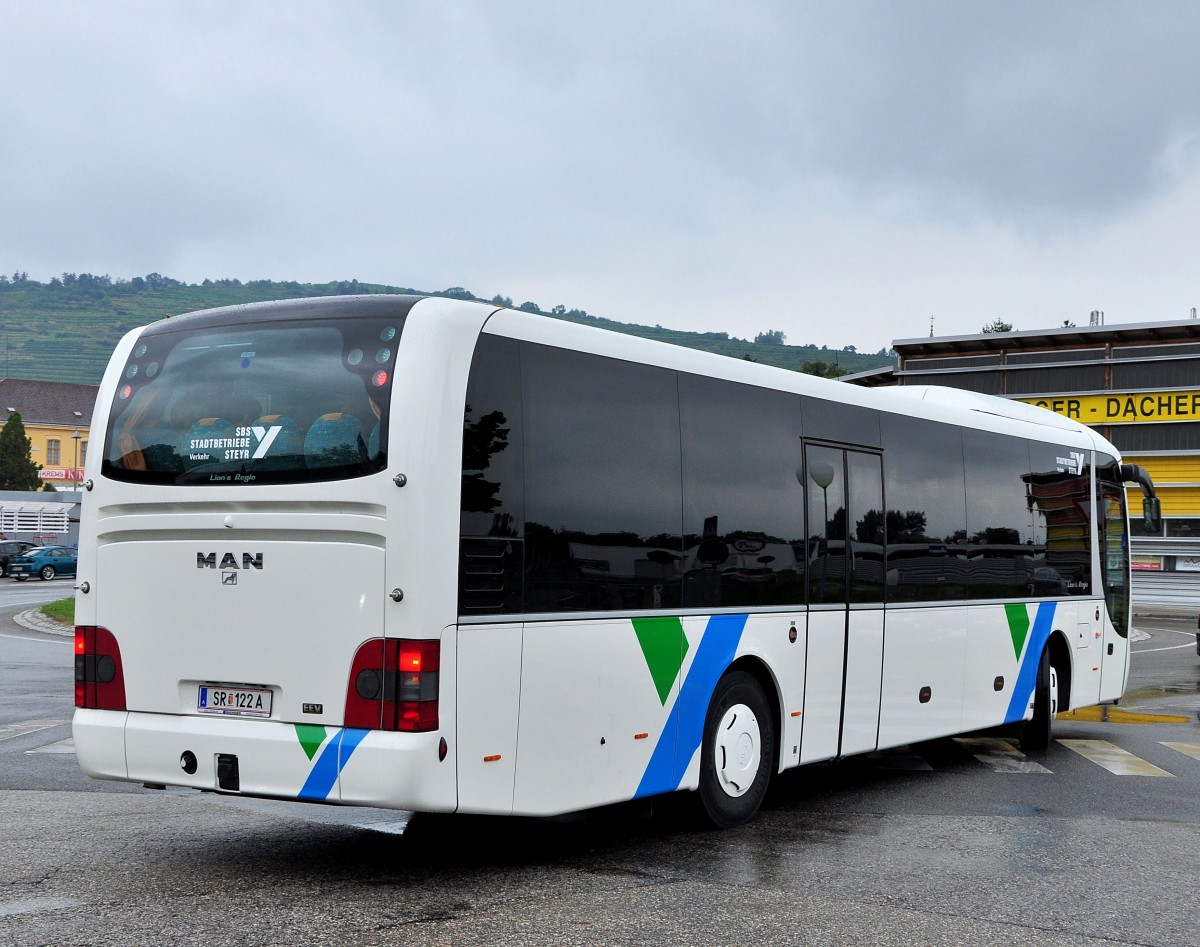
(34, 620)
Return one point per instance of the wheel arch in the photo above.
(1061, 660)
(757, 668)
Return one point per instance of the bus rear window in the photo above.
(281, 402)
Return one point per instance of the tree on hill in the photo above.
(824, 369)
(17, 470)
(66, 329)
(997, 325)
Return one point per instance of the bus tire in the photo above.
(737, 755)
(1035, 732)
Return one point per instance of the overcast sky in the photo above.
(840, 171)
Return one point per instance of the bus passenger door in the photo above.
(844, 664)
(488, 692)
(1114, 574)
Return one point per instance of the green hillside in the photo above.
(65, 330)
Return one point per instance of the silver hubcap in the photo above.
(738, 750)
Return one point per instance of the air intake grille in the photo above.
(489, 576)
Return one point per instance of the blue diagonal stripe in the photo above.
(323, 776)
(685, 725)
(1027, 676)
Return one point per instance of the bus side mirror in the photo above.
(1151, 514)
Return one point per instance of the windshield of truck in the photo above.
(280, 402)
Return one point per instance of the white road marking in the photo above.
(1000, 756)
(62, 746)
(14, 730)
(1174, 647)
(44, 638)
(1112, 758)
(1188, 749)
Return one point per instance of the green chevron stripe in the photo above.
(310, 737)
(664, 645)
(1018, 626)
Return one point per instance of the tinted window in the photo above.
(926, 510)
(493, 482)
(825, 475)
(602, 478)
(1114, 551)
(742, 503)
(865, 486)
(1060, 507)
(493, 494)
(999, 543)
(846, 525)
(844, 423)
(279, 402)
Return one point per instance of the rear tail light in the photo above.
(99, 678)
(394, 686)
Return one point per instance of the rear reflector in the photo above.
(99, 679)
(394, 686)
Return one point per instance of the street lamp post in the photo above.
(75, 470)
(822, 473)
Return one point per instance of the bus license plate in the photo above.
(234, 701)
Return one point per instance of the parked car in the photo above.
(8, 549)
(45, 561)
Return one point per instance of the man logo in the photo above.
(229, 578)
(229, 561)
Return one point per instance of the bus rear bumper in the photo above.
(99, 738)
(266, 758)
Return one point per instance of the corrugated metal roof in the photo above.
(1063, 337)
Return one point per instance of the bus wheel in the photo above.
(1035, 733)
(737, 756)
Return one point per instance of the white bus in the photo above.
(434, 555)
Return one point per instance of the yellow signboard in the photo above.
(1124, 407)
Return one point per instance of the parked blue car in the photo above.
(45, 561)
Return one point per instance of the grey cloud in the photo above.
(626, 157)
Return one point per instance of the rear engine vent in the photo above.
(489, 577)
